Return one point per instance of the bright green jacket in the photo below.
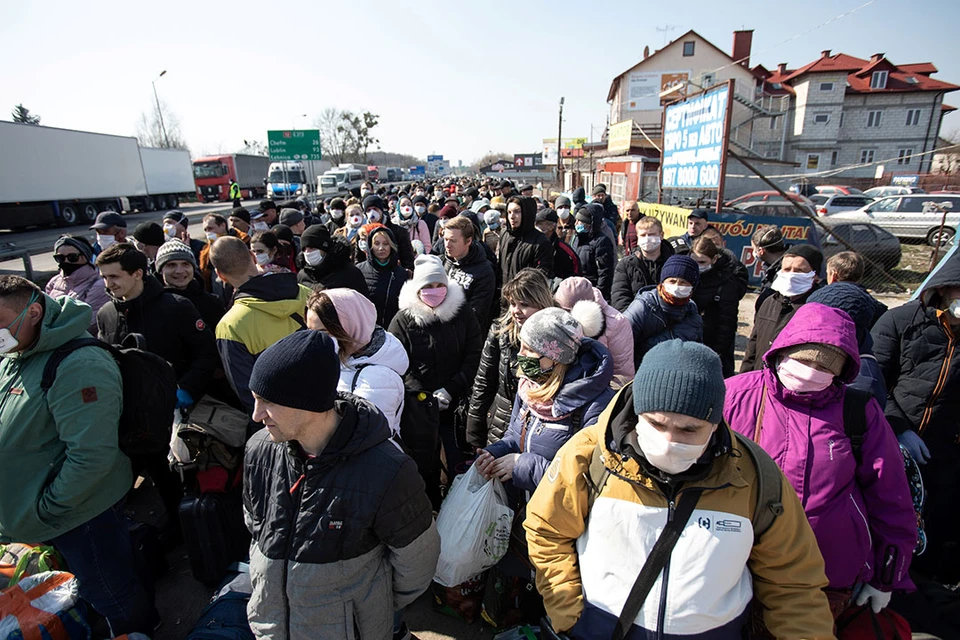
(60, 465)
(234, 191)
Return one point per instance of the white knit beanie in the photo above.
(428, 269)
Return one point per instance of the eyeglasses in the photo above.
(72, 258)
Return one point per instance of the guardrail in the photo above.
(9, 251)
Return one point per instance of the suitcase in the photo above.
(214, 533)
(225, 618)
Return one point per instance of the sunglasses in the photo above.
(72, 258)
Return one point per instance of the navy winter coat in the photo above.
(654, 321)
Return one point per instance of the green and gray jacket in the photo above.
(60, 465)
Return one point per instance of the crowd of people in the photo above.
(382, 342)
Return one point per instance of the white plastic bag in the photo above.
(474, 526)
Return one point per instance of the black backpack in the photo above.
(149, 392)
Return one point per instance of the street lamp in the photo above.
(163, 128)
(560, 146)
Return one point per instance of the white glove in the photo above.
(443, 398)
(878, 599)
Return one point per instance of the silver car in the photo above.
(828, 205)
(911, 216)
(881, 192)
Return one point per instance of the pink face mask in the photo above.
(799, 378)
(433, 297)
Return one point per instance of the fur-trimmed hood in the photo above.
(423, 314)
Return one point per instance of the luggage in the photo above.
(225, 618)
(18, 561)
(861, 623)
(45, 606)
(214, 533)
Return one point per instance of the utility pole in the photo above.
(163, 128)
(559, 147)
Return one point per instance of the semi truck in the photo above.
(287, 180)
(214, 173)
(66, 177)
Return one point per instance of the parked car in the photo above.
(910, 216)
(881, 192)
(766, 196)
(833, 189)
(775, 208)
(827, 205)
(867, 239)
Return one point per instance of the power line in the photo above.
(827, 173)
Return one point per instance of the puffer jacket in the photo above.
(582, 397)
(718, 296)
(588, 559)
(443, 344)
(654, 321)
(862, 516)
(596, 253)
(335, 272)
(774, 314)
(384, 281)
(610, 328)
(633, 273)
(340, 540)
(375, 373)
(84, 285)
(524, 247)
(916, 348)
(494, 389)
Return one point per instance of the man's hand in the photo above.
(484, 463)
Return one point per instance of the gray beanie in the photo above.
(80, 244)
(680, 377)
(428, 269)
(174, 250)
(554, 333)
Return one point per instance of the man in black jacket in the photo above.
(610, 211)
(594, 249)
(521, 245)
(466, 264)
(330, 500)
(768, 248)
(642, 267)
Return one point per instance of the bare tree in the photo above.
(333, 139)
(160, 128)
(358, 129)
(490, 158)
(21, 114)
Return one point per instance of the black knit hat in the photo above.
(809, 253)
(374, 201)
(680, 377)
(149, 233)
(678, 266)
(300, 371)
(420, 200)
(316, 236)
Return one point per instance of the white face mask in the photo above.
(420, 209)
(263, 258)
(211, 236)
(324, 218)
(563, 213)
(362, 245)
(374, 215)
(355, 221)
(337, 214)
(649, 243)
(406, 212)
(671, 457)
(678, 290)
(793, 284)
(364, 193)
(954, 308)
(260, 226)
(9, 342)
(313, 257)
(105, 242)
(705, 267)
(170, 230)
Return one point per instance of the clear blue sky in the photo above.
(446, 77)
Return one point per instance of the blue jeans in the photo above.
(100, 554)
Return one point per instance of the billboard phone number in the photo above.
(692, 176)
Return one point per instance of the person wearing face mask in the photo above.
(660, 439)
(915, 346)
(407, 217)
(337, 208)
(111, 228)
(797, 279)
(266, 251)
(768, 247)
(175, 225)
(566, 263)
(666, 311)
(215, 226)
(350, 230)
(328, 261)
(495, 387)
(594, 249)
(491, 228)
(565, 219)
(722, 286)
(421, 207)
(266, 214)
(383, 273)
(77, 278)
(642, 267)
(374, 208)
(148, 237)
(442, 338)
(858, 504)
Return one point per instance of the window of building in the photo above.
(903, 156)
(834, 158)
(774, 122)
(826, 86)
(618, 187)
(688, 48)
(841, 118)
(873, 118)
(821, 118)
(866, 155)
(707, 79)
(813, 161)
(878, 80)
(913, 117)
(771, 154)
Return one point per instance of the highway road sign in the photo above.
(301, 144)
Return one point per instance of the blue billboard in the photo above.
(418, 171)
(694, 137)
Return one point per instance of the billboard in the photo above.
(418, 171)
(619, 136)
(644, 88)
(572, 148)
(695, 135)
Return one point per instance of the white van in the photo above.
(337, 181)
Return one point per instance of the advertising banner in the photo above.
(694, 140)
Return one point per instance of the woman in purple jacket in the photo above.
(861, 514)
(78, 278)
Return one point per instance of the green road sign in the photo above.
(301, 144)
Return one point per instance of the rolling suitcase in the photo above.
(214, 533)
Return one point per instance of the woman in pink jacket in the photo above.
(861, 512)
(406, 217)
(78, 278)
(601, 322)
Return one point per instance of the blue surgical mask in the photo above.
(581, 228)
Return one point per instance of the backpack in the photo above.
(769, 484)
(149, 392)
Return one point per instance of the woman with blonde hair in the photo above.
(495, 387)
